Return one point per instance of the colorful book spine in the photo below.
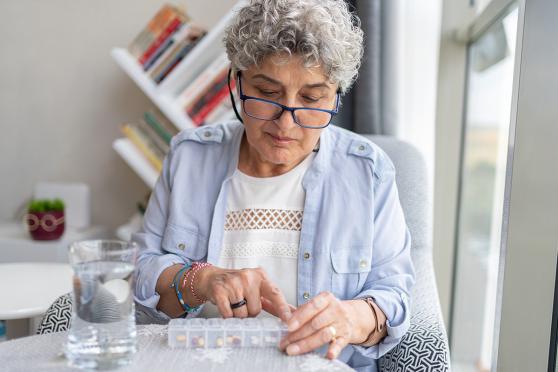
(142, 143)
(206, 96)
(163, 121)
(154, 137)
(176, 60)
(151, 61)
(190, 34)
(171, 27)
(224, 111)
(150, 33)
(201, 83)
(199, 117)
(157, 127)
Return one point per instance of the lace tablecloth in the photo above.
(44, 353)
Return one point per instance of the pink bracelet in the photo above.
(196, 266)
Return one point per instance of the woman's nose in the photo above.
(286, 120)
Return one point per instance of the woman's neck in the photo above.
(251, 163)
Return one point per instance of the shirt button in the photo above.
(306, 295)
(207, 134)
(306, 255)
(361, 148)
(181, 246)
(362, 264)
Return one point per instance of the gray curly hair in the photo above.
(323, 32)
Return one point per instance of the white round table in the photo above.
(28, 289)
(44, 353)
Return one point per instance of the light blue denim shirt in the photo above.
(353, 225)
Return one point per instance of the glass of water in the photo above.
(102, 334)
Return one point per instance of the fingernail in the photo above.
(294, 325)
(287, 315)
(292, 349)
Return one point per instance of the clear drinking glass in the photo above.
(102, 334)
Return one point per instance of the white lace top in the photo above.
(262, 227)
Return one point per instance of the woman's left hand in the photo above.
(324, 319)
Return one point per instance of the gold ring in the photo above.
(333, 332)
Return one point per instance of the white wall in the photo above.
(62, 98)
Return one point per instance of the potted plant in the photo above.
(45, 219)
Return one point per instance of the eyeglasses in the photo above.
(306, 117)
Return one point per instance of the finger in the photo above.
(335, 347)
(268, 307)
(236, 294)
(251, 294)
(321, 320)
(307, 311)
(253, 302)
(276, 297)
(312, 342)
(221, 300)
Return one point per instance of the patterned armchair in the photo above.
(425, 346)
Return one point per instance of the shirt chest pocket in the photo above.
(184, 242)
(351, 266)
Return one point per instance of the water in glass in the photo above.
(103, 330)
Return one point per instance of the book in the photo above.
(176, 60)
(165, 48)
(161, 119)
(152, 30)
(170, 28)
(209, 99)
(198, 85)
(163, 133)
(209, 102)
(223, 112)
(140, 140)
(154, 137)
(176, 53)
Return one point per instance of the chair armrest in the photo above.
(58, 316)
(425, 346)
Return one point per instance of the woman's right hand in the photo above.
(224, 287)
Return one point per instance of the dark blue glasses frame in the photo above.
(292, 110)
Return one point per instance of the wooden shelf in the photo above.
(135, 159)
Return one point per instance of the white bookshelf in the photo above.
(157, 94)
(167, 95)
(135, 159)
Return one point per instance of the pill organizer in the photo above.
(231, 332)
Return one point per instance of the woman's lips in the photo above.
(280, 140)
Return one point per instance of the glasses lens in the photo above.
(261, 110)
(312, 118)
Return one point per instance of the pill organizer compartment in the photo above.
(252, 332)
(196, 333)
(178, 333)
(233, 332)
(215, 332)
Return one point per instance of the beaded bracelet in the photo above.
(187, 308)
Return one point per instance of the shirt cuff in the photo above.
(397, 310)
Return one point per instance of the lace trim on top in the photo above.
(258, 219)
(260, 249)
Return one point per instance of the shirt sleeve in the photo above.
(392, 274)
(152, 258)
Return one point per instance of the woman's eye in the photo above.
(311, 99)
(267, 93)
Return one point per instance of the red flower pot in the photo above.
(45, 225)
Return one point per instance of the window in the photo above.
(490, 72)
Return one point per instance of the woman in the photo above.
(282, 213)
